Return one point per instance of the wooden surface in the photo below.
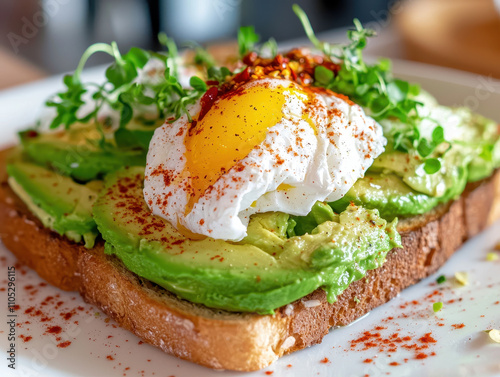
(16, 71)
(461, 34)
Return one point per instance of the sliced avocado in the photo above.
(76, 152)
(389, 194)
(60, 203)
(263, 272)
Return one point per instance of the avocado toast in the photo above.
(203, 335)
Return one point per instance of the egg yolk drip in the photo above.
(230, 130)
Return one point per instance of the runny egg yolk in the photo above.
(231, 129)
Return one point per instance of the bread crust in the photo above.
(238, 341)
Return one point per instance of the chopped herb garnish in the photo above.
(441, 279)
(437, 306)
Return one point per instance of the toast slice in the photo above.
(239, 341)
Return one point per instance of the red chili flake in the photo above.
(242, 76)
(289, 365)
(207, 100)
(458, 326)
(269, 372)
(367, 361)
(325, 360)
(109, 357)
(64, 344)
(394, 364)
(140, 342)
(250, 58)
(421, 356)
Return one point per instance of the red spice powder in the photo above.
(54, 330)
(390, 343)
(64, 344)
(109, 357)
(325, 360)
(457, 326)
(421, 356)
(427, 338)
(269, 372)
(394, 364)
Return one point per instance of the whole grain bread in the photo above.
(239, 341)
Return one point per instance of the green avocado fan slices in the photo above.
(264, 271)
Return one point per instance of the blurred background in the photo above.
(43, 37)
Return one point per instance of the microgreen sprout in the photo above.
(123, 93)
(373, 87)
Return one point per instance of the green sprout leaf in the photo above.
(247, 39)
(432, 165)
(438, 135)
(198, 84)
(425, 147)
(323, 75)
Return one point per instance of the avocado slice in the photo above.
(60, 203)
(76, 152)
(389, 194)
(262, 272)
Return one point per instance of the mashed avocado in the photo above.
(266, 270)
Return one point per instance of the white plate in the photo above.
(99, 348)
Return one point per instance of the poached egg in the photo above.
(269, 145)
